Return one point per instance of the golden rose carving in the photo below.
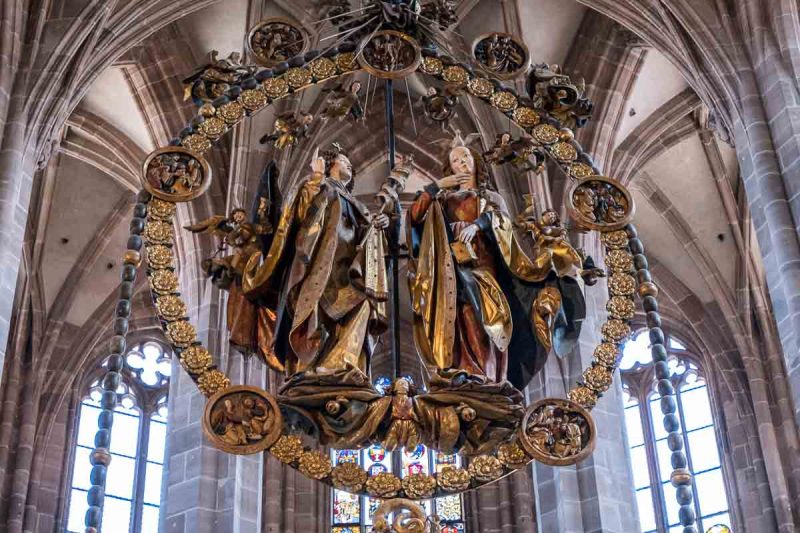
(212, 382)
(419, 486)
(485, 468)
(195, 359)
(512, 456)
(212, 127)
(616, 331)
(597, 378)
(432, 65)
(196, 143)
(157, 232)
(170, 307)
(298, 77)
(253, 99)
(619, 260)
(231, 112)
(583, 396)
(564, 152)
(288, 449)
(545, 133)
(161, 209)
(315, 465)
(480, 87)
(323, 68)
(160, 256)
(526, 117)
(181, 333)
(346, 62)
(164, 282)
(383, 485)
(607, 354)
(581, 170)
(621, 307)
(455, 74)
(621, 285)
(349, 477)
(453, 479)
(275, 87)
(504, 101)
(615, 240)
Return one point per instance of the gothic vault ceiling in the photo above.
(655, 141)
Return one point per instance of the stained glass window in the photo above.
(353, 514)
(649, 452)
(138, 436)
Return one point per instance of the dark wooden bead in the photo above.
(124, 308)
(137, 226)
(134, 243)
(93, 516)
(668, 405)
(671, 423)
(95, 496)
(686, 515)
(649, 303)
(644, 276)
(665, 387)
(659, 352)
(117, 344)
(653, 319)
(111, 381)
(640, 262)
(683, 494)
(102, 439)
(98, 475)
(636, 246)
(678, 460)
(120, 326)
(632, 232)
(675, 441)
(140, 210)
(128, 272)
(656, 336)
(143, 196)
(115, 362)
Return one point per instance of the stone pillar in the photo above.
(597, 494)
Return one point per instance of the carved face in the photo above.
(461, 161)
(342, 169)
(355, 87)
(402, 386)
(239, 216)
(550, 218)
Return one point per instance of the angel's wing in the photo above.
(471, 138)
(216, 225)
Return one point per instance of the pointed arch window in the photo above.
(138, 436)
(649, 453)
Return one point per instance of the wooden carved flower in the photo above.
(485, 468)
(512, 455)
(287, 449)
(349, 476)
(419, 486)
(383, 485)
(315, 465)
(454, 479)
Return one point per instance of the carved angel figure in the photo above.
(343, 102)
(517, 152)
(242, 238)
(474, 291)
(322, 279)
(288, 129)
(215, 77)
(563, 98)
(439, 104)
(404, 429)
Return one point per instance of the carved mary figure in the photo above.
(481, 305)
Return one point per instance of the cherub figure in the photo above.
(215, 77)
(288, 129)
(439, 104)
(235, 231)
(404, 429)
(518, 152)
(344, 102)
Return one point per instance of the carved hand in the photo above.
(453, 181)
(468, 233)
(317, 163)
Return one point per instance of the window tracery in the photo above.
(138, 437)
(649, 451)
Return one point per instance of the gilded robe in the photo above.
(323, 282)
(484, 315)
